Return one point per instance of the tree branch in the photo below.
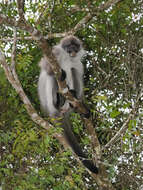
(13, 79)
(89, 16)
(20, 4)
(77, 27)
(13, 55)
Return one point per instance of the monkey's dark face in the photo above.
(71, 46)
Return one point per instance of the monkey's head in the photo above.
(71, 45)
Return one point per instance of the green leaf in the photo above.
(114, 113)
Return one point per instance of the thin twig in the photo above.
(13, 55)
(20, 4)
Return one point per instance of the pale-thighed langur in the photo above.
(68, 54)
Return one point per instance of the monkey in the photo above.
(68, 54)
(70, 51)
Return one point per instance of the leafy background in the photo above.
(29, 159)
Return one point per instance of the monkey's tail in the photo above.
(72, 141)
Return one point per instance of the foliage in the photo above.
(29, 158)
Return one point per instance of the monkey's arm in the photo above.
(78, 89)
(77, 83)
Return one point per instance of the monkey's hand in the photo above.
(73, 92)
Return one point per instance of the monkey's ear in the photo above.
(56, 51)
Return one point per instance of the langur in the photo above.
(68, 54)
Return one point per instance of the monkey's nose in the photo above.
(72, 54)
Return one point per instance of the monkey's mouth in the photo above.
(72, 54)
